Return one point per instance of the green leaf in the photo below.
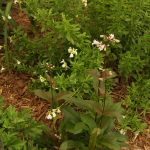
(44, 95)
(1, 100)
(75, 145)
(78, 128)
(71, 115)
(95, 74)
(89, 121)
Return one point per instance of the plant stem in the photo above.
(7, 12)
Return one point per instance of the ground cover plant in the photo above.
(75, 56)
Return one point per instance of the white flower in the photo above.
(3, 17)
(10, 39)
(18, 62)
(102, 36)
(112, 38)
(95, 42)
(2, 69)
(42, 79)
(15, 1)
(123, 117)
(122, 131)
(102, 47)
(84, 2)
(49, 117)
(1, 47)
(99, 45)
(110, 73)
(116, 40)
(58, 110)
(72, 52)
(64, 64)
(9, 17)
(53, 114)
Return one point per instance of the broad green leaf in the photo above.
(44, 95)
(78, 128)
(71, 115)
(111, 109)
(89, 121)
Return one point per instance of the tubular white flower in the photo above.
(49, 117)
(116, 40)
(95, 42)
(42, 79)
(100, 45)
(102, 36)
(71, 56)
(15, 1)
(9, 17)
(122, 131)
(112, 38)
(4, 18)
(53, 114)
(1, 47)
(18, 62)
(58, 110)
(64, 64)
(72, 52)
(2, 69)
(84, 2)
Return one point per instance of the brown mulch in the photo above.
(14, 89)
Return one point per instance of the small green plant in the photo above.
(18, 129)
(137, 105)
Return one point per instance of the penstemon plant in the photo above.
(95, 125)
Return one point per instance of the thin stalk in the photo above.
(52, 92)
(7, 12)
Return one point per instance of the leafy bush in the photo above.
(18, 129)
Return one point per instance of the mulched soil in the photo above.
(14, 89)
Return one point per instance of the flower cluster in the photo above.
(84, 2)
(102, 46)
(110, 38)
(15, 1)
(53, 113)
(72, 52)
(5, 18)
(42, 79)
